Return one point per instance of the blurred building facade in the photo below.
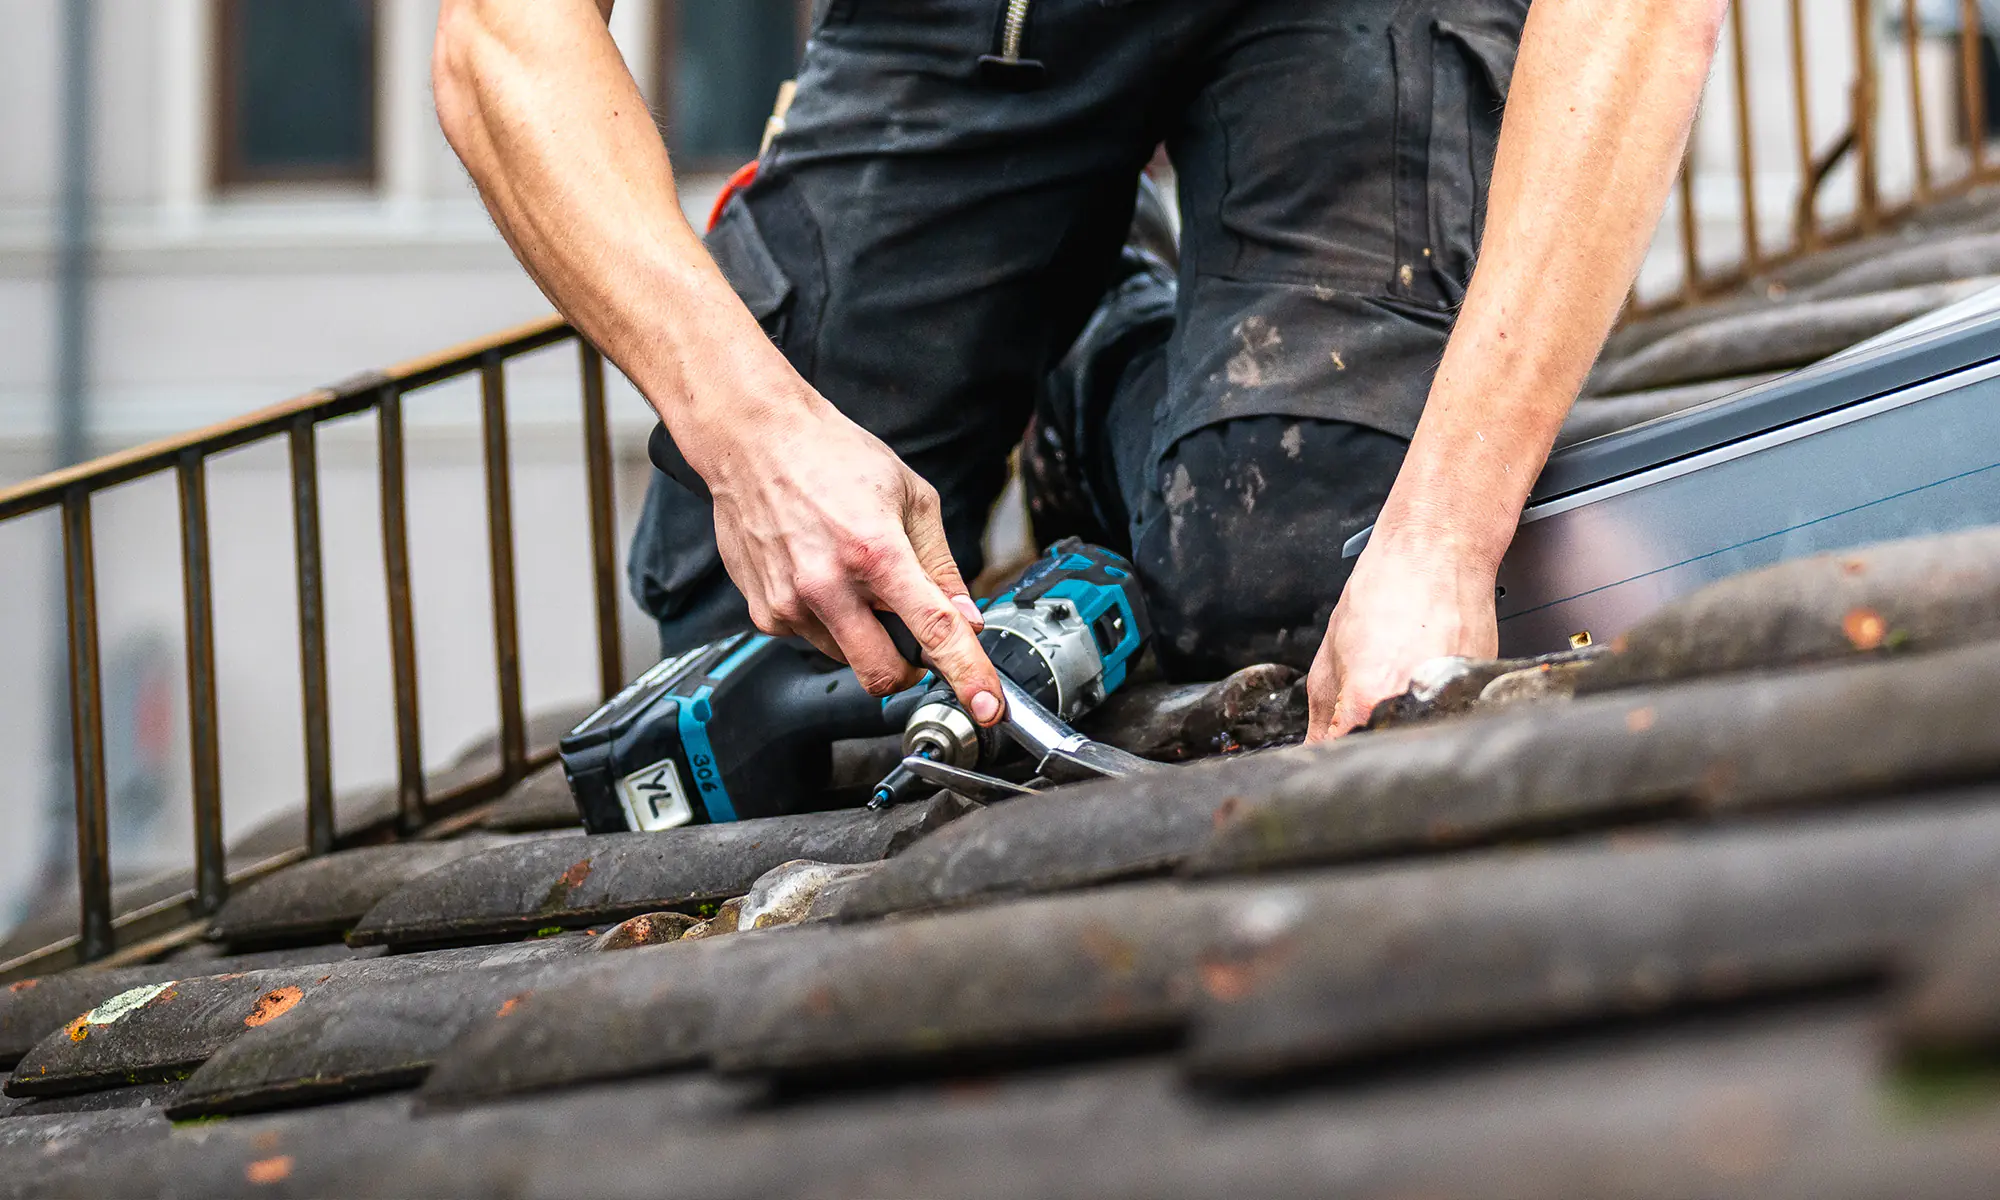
(273, 208)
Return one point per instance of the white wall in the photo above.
(205, 306)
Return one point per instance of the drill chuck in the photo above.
(743, 727)
(1063, 636)
(941, 731)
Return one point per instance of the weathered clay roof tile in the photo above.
(568, 883)
(1708, 912)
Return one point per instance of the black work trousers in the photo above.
(929, 236)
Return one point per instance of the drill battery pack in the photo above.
(745, 726)
(654, 756)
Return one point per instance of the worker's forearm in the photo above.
(536, 99)
(1596, 122)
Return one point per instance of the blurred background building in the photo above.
(225, 202)
(269, 206)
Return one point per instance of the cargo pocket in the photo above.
(1451, 88)
(747, 263)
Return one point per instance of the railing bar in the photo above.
(204, 753)
(1745, 162)
(603, 518)
(310, 589)
(1918, 130)
(1729, 277)
(485, 789)
(463, 359)
(1808, 232)
(402, 619)
(1972, 80)
(444, 372)
(500, 566)
(86, 728)
(455, 810)
(183, 900)
(139, 462)
(1868, 169)
(321, 404)
(1690, 242)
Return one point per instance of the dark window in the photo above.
(721, 62)
(296, 100)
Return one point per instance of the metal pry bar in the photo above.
(970, 784)
(1062, 754)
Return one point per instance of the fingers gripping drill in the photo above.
(744, 727)
(1061, 638)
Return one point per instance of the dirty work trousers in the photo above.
(929, 236)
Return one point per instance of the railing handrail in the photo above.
(343, 399)
(72, 489)
(1860, 142)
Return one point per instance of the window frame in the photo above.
(666, 42)
(227, 170)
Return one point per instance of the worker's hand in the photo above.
(1400, 610)
(820, 524)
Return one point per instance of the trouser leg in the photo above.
(1246, 545)
(1246, 518)
(1333, 170)
(923, 245)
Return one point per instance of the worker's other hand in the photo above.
(820, 525)
(1399, 611)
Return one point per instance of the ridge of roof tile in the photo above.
(525, 886)
(31, 1009)
(321, 898)
(1912, 594)
(1696, 750)
(162, 1031)
(1493, 945)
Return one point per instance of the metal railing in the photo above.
(102, 931)
(1859, 144)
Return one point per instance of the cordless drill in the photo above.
(744, 727)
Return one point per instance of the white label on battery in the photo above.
(653, 798)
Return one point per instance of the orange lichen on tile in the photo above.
(1864, 628)
(275, 1169)
(272, 1005)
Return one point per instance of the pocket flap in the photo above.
(1494, 52)
(738, 248)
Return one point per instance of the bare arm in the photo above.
(1601, 104)
(817, 521)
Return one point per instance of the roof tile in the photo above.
(569, 883)
(1915, 594)
(1799, 738)
(1950, 1009)
(1767, 1106)
(321, 898)
(1257, 706)
(160, 1031)
(1492, 944)
(639, 1012)
(1066, 837)
(31, 1009)
(356, 1041)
